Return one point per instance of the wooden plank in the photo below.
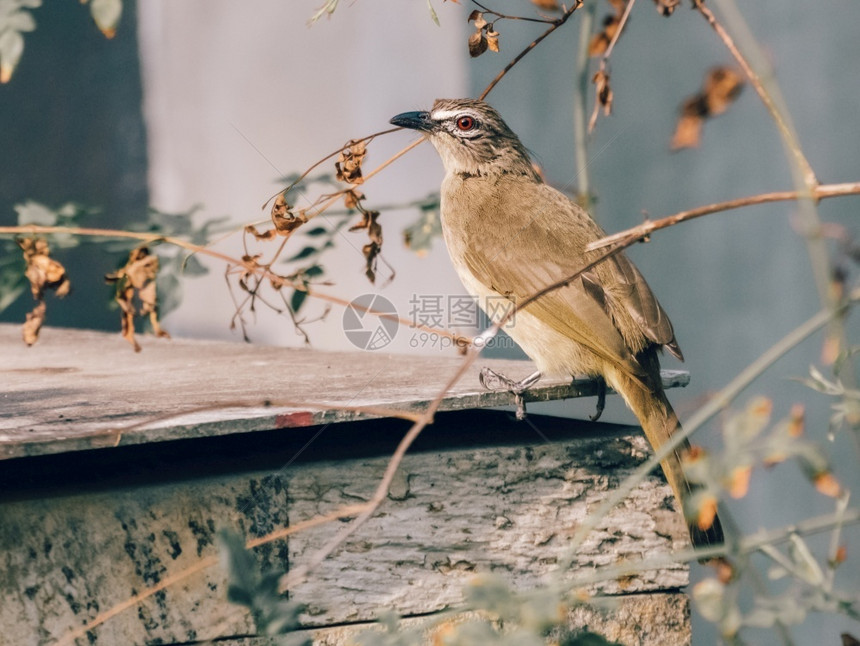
(483, 492)
(78, 389)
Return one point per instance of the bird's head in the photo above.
(471, 138)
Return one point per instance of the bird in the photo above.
(509, 235)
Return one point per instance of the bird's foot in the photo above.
(601, 399)
(497, 382)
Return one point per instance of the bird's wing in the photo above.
(570, 310)
(640, 302)
(546, 246)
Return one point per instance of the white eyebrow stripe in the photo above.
(442, 115)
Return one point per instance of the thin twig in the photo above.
(621, 23)
(749, 545)
(334, 197)
(786, 130)
(555, 25)
(367, 139)
(722, 399)
(604, 64)
(501, 16)
(805, 181)
(259, 270)
(580, 101)
(646, 228)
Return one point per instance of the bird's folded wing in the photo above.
(570, 310)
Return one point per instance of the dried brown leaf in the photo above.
(348, 165)
(739, 481)
(849, 640)
(369, 223)
(604, 91)
(666, 7)
(724, 570)
(688, 131)
(796, 421)
(547, 5)
(600, 41)
(280, 208)
(827, 484)
(721, 87)
(478, 17)
(695, 453)
(492, 40)
(371, 250)
(477, 44)
(840, 556)
(352, 198)
(136, 293)
(831, 348)
(268, 234)
(42, 271)
(706, 513)
(33, 323)
(285, 225)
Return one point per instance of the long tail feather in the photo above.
(659, 422)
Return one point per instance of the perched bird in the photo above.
(510, 235)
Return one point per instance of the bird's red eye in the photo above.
(465, 123)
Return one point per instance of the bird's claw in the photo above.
(497, 382)
(601, 400)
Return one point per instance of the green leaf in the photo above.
(807, 567)
(316, 231)
(327, 8)
(193, 267)
(240, 566)
(297, 300)
(12, 280)
(433, 13)
(304, 253)
(31, 212)
(419, 235)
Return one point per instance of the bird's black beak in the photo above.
(414, 120)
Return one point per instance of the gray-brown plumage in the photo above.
(511, 235)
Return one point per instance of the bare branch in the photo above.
(646, 228)
(555, 25)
